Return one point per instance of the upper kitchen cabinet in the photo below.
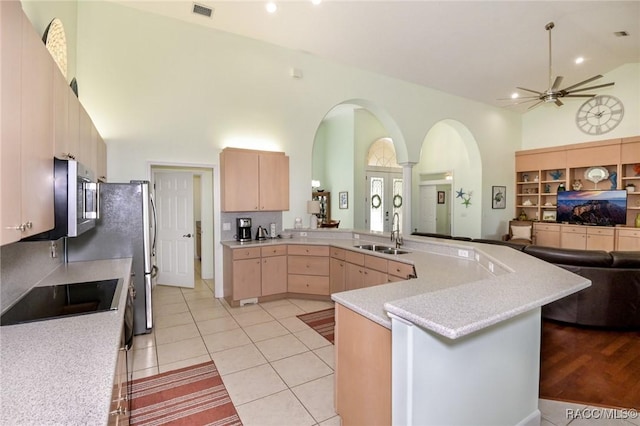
(27, 143)
(101, 156)
(87, 140)
(254, 180)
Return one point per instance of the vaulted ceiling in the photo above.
(479, 50)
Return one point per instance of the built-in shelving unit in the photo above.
(542, 173)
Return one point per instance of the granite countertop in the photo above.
(61, 371)
(462, 286)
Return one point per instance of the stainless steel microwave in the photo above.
(75, 200)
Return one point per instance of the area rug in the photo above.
(322, 322)
(193, 395)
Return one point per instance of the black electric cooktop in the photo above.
(64, 300)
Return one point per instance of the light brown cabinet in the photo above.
(308, 268)
(546, 234)
(254, 180)
(587, 237)
(353, 372)
(364, 270)
(274, 270)
(628, 239)
(27, 128)
(337, 270)
(242, 273)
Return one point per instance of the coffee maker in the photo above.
(243, 229)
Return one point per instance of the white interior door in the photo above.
(428, 201)
(175, 247)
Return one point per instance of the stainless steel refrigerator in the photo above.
(126, 228)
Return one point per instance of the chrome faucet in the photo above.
(395, 233)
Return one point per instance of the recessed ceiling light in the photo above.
(271, 7)
(579, 60)
(515, 95)
(316, 2)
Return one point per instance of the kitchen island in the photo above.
(458, 345)
(61, 371)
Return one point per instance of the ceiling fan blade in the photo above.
(529, 90)
(565, 91)
(579, 96)
(535, 105)
(557, 83)
(518, 98)
(559, 102)
(589, 80)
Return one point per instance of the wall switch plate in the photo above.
(226, 226)
(303, 234)
(463, 253)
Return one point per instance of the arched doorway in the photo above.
(384, 186)
(341, 144)
(450, 156)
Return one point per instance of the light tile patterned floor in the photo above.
(277, 370)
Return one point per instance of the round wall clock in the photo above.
(599, 115)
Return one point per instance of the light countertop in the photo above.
(61, 371)
(462, 287)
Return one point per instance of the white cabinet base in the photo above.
(486, 378)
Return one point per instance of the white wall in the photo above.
(161, 89)
(549, 125)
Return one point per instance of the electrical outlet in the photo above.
(477, 257)
(463, 253)
(226, 226)
(356, 236)
(53, 249)
(491, 266)
(303, 234)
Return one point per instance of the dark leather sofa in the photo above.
(612, 300)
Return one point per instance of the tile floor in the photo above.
(277, 370)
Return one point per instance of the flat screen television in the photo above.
(603, 208)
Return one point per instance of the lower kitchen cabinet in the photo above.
(308, 268)
(241, 273)
(274, 270)
(356, 335)
(337, 275)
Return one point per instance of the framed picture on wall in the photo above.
(343, 200)
(440, 197)
(549, 215)
(498, 197)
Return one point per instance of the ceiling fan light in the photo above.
(579, 60)
(515, 95)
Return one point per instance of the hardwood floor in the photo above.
(590, 366)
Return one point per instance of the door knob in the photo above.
(187, 235)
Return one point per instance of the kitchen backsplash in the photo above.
(22, 265)
(257, 219)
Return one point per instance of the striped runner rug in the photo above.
(322, 322)
(193, 395)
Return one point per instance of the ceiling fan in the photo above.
(554, 93)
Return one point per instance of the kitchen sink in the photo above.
(381, 249)
(391, 250)
(63, 300)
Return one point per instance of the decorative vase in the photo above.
(638, 220)
(561, 188)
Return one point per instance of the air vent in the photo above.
(202, 10)
(621, 34)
